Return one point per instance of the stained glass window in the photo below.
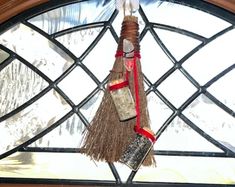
(53, 68)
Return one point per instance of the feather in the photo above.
(119, 4)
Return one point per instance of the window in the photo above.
(55, 61)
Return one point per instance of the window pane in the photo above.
(159, 112)
(3, 56)
(123, 171)
(178, 16)
(31, 121)
(212, 59)
(179, 45)
(154, 62)
(77, 85)
(73, 15)
(54, 166)
(213, 120)
(183, 138)
(85, 29)
(224, 90)
(189, 170)
(45, 56)
(90, 108)
(68, 134)
(177, 88)
(18, 84)
(101, 59)
(78, 42)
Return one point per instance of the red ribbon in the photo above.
(119, 85)
(137, 127)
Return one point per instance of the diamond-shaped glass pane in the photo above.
(78, 42)
(158, 111)
(212, 59)
(18, 84)
(31, 121)
(181, 169)
(178, 136)
(177, 88)
(44, 55)
(178, 44)
(101, 59)
(72, 15)
(213, 120)
(68, 134)
(77, 85)
(3, 56)
(224, 90)
(90, 108)
(154, 62)
(54, 166)
(178, 16)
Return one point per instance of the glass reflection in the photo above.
(90, 108)
(44, 55)
(213, 120)
(54, 166)
(159, 112)
(213, 58)
(177, 88)
(183, 138)
(3, 56)
(177, 15)
(224, 91)
(32, 120)
(78, 42)
(68, 134)
(74, 15)
(77, 85)
(18, 84)
(123, 170)
(178, 44)
(180, 169)
(155, 63)
(101, 59)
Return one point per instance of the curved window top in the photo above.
(74, 15)
(51, 90)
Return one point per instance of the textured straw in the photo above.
(108, 137)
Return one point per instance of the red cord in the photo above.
(137, 127)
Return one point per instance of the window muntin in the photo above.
(169, 12)
(44, 55)
(168, 115)
(31, 121)
(73, 15)
(18, 85)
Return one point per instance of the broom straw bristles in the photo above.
(107, 137)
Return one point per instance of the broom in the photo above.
(107, 137)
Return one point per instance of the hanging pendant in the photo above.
(137, 151)
(122, 98)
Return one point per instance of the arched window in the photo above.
(54, 63)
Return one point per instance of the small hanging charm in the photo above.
(122, 99)
(128, 50)
(137, 151)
